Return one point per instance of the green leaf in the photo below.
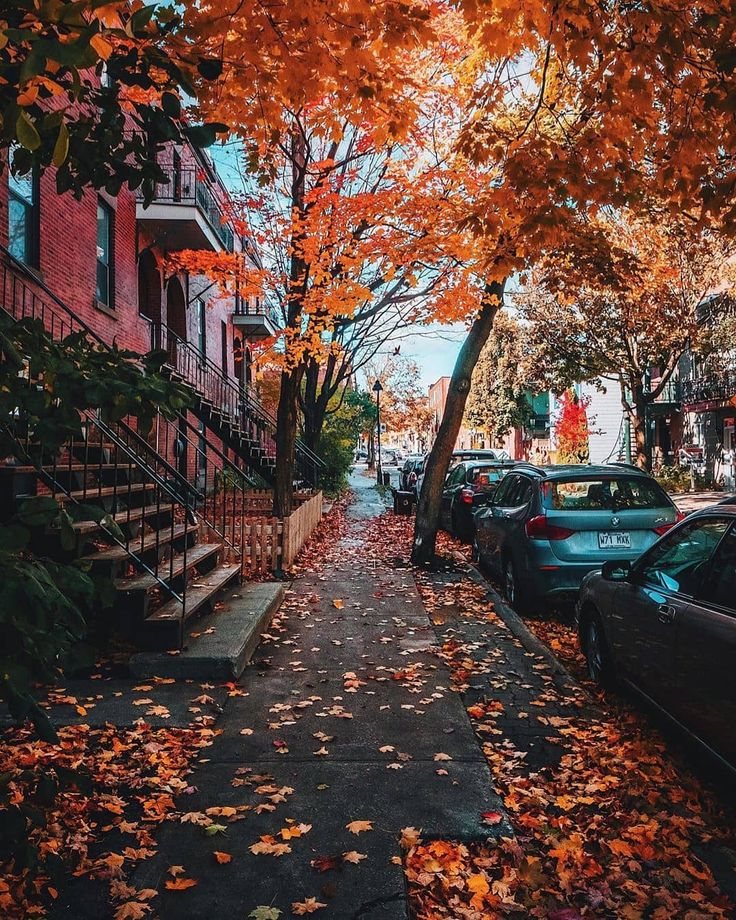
(215, 829)
(61, 147)
(263, 912)
(25, 131)
(38, 511)
(13, 538)
(210, 68)
(171, 105)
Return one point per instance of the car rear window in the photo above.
(485, 476)
(604, 493)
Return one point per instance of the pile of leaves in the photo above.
(57, 801)
(614, 827)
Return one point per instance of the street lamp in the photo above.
(377, 390)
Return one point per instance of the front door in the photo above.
(648, 610)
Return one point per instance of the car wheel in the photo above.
(512, 588)
(597, 654)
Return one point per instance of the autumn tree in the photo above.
(576, 110)
(357, 225)
(502, 379)
(95, 90)
(404, 401)
(620, 303)
(572, 431)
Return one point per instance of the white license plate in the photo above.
(614, 539)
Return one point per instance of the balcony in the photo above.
(185, 213)
(710, 391)
(671, 393)
(254, 321)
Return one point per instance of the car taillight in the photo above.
(412, 479)
(466, 496)
(663, 528)
(539, 528)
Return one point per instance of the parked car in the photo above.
(468, 485)
(458, 456)
(388, 457)
(667, 625)
(409, 472)
(547, 527)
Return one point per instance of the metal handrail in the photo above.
(210, 380)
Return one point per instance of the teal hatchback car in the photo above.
(546, 527)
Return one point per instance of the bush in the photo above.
(678, 479)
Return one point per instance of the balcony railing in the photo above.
(672, 392)
(708, 388)
(190, 187)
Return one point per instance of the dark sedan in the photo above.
(667, 625)
(469, 484)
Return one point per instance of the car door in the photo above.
(452, 484)
(506, 518)
(488, 521)
(706, 654)
(644, 618)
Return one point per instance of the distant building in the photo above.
(466, 437)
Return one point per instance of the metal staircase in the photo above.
(169, 534)
(232, 412)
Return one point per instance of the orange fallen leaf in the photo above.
(339, 603)
(309, 906)
(180, 884)
(357, 827)
(222, 858)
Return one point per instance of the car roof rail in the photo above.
(627, 466)
(531, 467)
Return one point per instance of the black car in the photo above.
(469, 484)
(409, 472)
(666, 624)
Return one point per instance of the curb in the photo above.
(520, 630)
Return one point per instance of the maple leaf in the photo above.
(269, 846)
(441, 756)
(354, 857)
(491, 817)
(133, 910)
(222, 858)
(409, 837)
(176, 870)
(309, 906)
(338, 603)
(179, 884)
(358, 827)
(265, 913)
(327, 863)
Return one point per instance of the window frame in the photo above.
(700, 597)
(106, 208)
(32, 210)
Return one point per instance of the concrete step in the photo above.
(226, 638)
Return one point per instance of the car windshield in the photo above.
(485, 477)
(608, 493)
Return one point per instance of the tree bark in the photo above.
(287, 412)
(286, 428)
(638, 416)
(428, 509)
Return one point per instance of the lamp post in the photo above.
(377, 390)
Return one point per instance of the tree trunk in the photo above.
(286, 428)
(638, 417)
(371, 450)
(428, 509)
(287, 413)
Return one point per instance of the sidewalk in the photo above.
(694, 501)
(346, 716)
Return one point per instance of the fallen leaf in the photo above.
(180, 884)
(357, 827)
(222, 858)
(300, 908)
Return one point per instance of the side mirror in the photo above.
(616, 570)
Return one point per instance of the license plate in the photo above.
(614, 539)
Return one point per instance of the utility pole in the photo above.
(377, 390)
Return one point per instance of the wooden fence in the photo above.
(270, 543)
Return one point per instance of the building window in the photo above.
(23, 218)
(201, 328)
(223, 333)
(105, 292)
